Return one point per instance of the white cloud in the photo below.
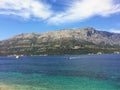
(114, 30)
(83, 9)
(25, 8)
(77, 10)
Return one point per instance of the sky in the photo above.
(27, 16)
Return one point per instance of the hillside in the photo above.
(73, 41)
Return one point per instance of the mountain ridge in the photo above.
(61, 41)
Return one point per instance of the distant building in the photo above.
(116, 52)
(99, 53)
(76, 47)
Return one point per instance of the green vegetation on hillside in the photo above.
(59, 48)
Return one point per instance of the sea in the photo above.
(60, 72)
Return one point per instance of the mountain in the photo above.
(72, 41)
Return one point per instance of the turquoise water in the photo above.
(77, 72)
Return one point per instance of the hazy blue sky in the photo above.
(24, 16)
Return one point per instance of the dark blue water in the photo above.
(70, 72)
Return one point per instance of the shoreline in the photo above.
(20, 87)
(62, 54)
(5, 87)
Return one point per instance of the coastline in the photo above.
(61, 54)
(5, 87)
(20, 87)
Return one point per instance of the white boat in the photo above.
(75, 57)
(17, 56)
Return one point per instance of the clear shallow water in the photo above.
(78, 72)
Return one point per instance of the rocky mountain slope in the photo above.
(73, 41)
